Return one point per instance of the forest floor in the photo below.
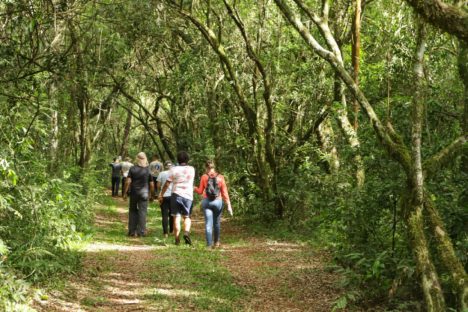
(250, 272)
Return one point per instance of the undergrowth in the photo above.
(43, 222)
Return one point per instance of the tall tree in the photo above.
(399, 151)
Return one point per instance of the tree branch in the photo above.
(396, 150)
(437, 161)
(446, 17)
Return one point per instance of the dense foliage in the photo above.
(84, 81)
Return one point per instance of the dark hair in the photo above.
(182, 157)
(115, 158)
(209, 164)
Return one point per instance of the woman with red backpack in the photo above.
(214, 190)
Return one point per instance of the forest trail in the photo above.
(249, 273)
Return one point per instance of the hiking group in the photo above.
(173, 187)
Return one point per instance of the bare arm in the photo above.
(151, 189)
(158, 184)
(128, 181)
(164, 189)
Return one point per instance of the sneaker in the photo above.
(217, 245)
(187, 239)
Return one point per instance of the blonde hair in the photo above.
(141, 159)
(209, 164)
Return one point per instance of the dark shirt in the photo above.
(116, 167)
(141, 177)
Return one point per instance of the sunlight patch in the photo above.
(282, 244)
(59, 304)
(121, 292)
(124, 301)
(122, 210)
(283, 249)
(99, 246)
(175, 292)
(122, 282)
(309, 266)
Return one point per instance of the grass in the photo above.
(181, 276)
(93, 301)
(195, 276)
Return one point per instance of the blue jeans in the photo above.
(212, 210)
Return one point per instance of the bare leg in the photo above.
(187, 224)
(177, 227)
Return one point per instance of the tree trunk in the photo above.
(85, 148)
(433, 294)
(261, 141)
(212, 101)
(325, 138)
(267, 149)
(453, 265)
(54, 123)
(348, 131)
(164, 140)
(463, 71)
(356, 54)
(447, 17)
(53, 149)
(411, 162)
(126, 135)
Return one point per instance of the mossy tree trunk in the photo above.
(409, 158)
(432, 290)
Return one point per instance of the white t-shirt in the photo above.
(182, 180)
(126, 167)
(162, 177)
(155, 168)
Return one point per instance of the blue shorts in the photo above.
(180, 205)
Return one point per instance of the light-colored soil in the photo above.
(276, 276)
(112, 278)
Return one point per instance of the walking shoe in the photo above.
(187, 239)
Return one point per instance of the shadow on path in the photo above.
(249, 273)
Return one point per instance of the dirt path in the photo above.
(282, 276)
(249, 273)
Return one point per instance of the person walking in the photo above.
(214, 190)
(116, 168)
(167, 218)
(182, 177)
(155, 168)
(140, 183)
(126, 165)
